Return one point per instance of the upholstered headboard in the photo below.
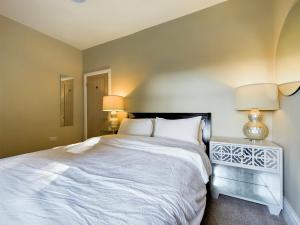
(205, 116)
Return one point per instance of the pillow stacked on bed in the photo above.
(138, 127)
(181, 129)
(189, 130)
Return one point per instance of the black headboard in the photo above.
(205, 116)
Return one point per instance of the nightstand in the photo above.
(248, 170)
(106, 132)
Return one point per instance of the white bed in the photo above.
(110, 180)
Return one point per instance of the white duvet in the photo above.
(110, 180)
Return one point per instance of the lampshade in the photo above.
(113, 103)
(257, 96)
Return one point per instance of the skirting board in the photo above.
(289, 214)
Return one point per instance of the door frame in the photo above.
(85, 76)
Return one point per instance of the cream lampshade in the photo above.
(113, 103)
(255, 97)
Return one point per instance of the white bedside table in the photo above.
(248, 170)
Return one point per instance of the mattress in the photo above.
(107, 180)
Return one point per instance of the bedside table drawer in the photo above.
(247, 170)
(246, 156)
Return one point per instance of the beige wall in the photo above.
(194, 63)
(30, 65)
(281, 11)
(286, 121)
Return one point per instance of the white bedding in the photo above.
(110, 180)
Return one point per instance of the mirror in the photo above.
(66, 100)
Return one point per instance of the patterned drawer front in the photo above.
(246, 156)
(217, 152)
(272, 159)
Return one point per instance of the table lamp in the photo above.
(113, 104)
(256, 97)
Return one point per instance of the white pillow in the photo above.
(140, 127)
(200, 135)
(182, 129)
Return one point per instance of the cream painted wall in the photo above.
(286, 121)
(30, 64)
(281, 11)
(194, 63)
(288, 66)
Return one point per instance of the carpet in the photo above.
(232, 211)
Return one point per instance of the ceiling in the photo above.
(93, 22)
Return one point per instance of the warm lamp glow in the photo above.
(257, 96)
(113, 103)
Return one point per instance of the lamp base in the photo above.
(113, 122)
(255, 129)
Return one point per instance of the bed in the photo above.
(109, 180)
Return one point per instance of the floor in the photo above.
(232, 211)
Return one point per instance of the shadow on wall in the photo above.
(165, 90)
(230, 37)
(193, 63)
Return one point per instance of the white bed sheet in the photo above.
(110, 180)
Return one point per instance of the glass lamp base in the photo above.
(113, 122)
(255, 129)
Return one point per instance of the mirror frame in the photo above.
(62, 102)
